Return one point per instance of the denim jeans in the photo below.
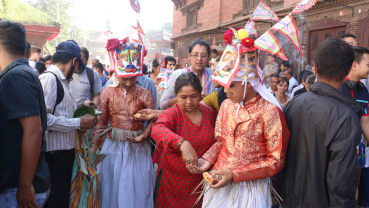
(8, 198)
(364, 186)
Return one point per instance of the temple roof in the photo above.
(24, 13)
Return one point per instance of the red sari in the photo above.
(176, 183)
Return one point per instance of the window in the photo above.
(191, 18)
(191, 12)
(251, 4)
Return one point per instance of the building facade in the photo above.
(158, 42)
(40, 28)
(209, 19)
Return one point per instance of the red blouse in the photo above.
(177, 184)
(119, 110)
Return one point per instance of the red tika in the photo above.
(177, 184)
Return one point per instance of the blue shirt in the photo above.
(103, 80)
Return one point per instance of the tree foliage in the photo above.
(69, 30)
(168, 26)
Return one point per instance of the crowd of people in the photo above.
(294, 139)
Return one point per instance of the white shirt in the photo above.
(80, 87)
(270, 90)
(292, 82)
(296, 88)
(61, 127)
(32, 63)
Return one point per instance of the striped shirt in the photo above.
(61, 127)
(206, 83)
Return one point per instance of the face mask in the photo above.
(70, 73)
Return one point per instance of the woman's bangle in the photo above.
(179, 144)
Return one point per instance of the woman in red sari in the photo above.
(186, 132)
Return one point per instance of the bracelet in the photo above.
(179, 144)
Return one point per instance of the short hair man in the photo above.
(61, 126)
(214, 55)
(100, 70)
(28, 55)
(357, 91)
(324, 134)
(292, 81)
(178, 64)
(106, 72)
(24, 175)
(305, 74)
(48, 61)
(269, 69)
(273, 83)
(36, 54)
(285, 65)
(86, 85)
(94, 61)
(170, 62)
(350, 39)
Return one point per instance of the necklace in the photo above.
(281, 97)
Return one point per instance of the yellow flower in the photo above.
(242, 33)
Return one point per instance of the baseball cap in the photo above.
(75, 50)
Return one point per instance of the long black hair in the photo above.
(221, 96)
(186, 79)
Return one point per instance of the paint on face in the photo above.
(129, 58)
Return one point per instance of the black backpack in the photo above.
(90, 75)
(59, 90)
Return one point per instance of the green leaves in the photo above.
(84, 110)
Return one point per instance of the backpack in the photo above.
(91, 80)
(59, 91)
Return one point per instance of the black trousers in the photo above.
(60, 165)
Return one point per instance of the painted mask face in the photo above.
(129, 58)
(228, 65)
(228, 60)
(234, 59)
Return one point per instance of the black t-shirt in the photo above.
(21, 95)
(362, 96)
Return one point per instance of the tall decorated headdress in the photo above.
(239, 62)
(126, 59)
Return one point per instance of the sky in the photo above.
(93, 14)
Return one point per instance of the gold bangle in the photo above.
(179, 144)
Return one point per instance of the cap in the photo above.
(73, 49)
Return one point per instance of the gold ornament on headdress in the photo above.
(248, 59)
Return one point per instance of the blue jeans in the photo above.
(364, 186)
(8, 198)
